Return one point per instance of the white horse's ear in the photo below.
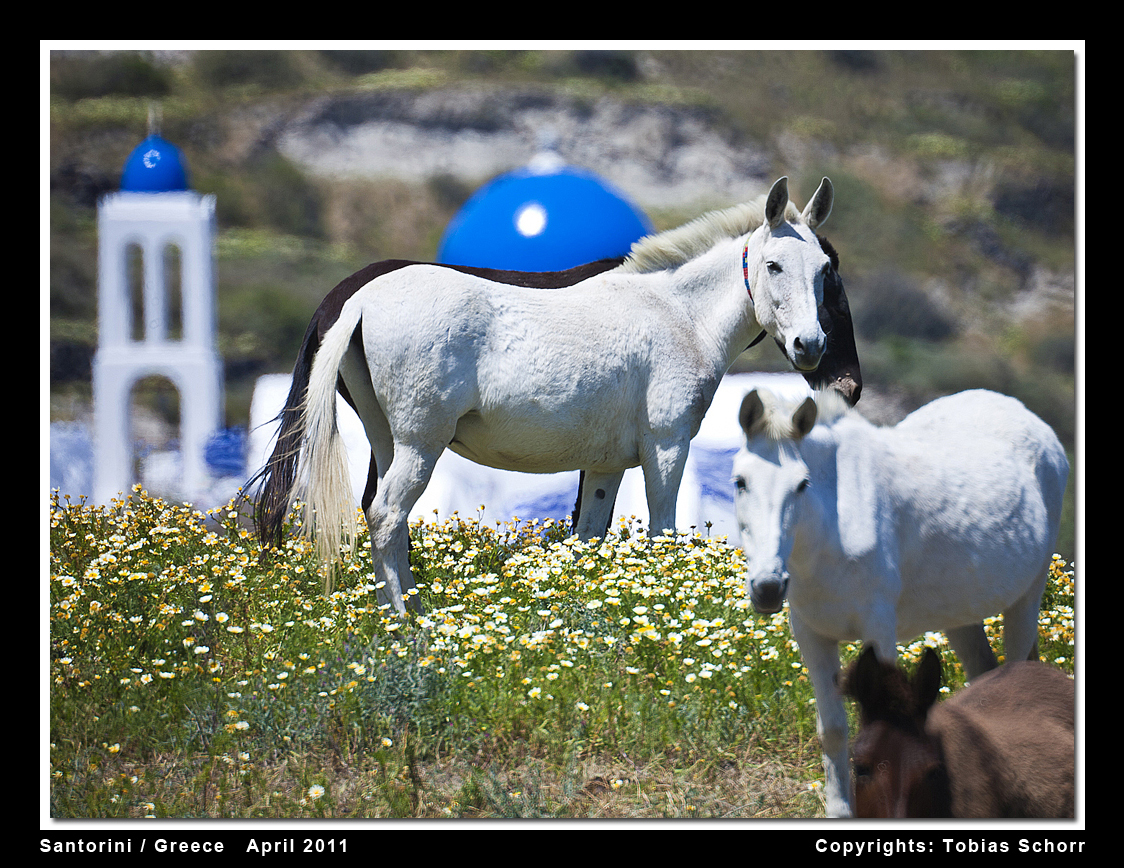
(777, 202)
(751, 413)
(804, 417)
(818, 210)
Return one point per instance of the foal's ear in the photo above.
(818, 210)
(804, 418)
(777, 202)
(751, 413)
(926, 682)
(864, 680)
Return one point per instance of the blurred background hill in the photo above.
(955, 172)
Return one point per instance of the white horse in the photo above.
(613, 372)
(882, 534)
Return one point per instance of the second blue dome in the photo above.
(536, 220)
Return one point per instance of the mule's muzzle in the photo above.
(805, 354)
(767, 595)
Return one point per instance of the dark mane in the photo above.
(333, 302)
(827, 248)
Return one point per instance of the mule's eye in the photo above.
(739, 484)
(803, 484)
(774, 267)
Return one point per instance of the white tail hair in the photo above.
(323, 479)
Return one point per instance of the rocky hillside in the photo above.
(664, 156)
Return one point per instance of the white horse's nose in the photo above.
(767, 593)
(805, 351)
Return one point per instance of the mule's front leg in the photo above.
(971, 646)
(663, 473)
(821, 656)
(388, 519)
(598, 495)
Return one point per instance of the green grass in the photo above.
(549, 678)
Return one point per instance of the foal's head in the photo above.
(899, 769)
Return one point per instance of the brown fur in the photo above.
(1001, 747)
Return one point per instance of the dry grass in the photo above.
(383, 786)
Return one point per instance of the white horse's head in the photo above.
(771, 479)
(784, 272)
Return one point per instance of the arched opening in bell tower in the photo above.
(154, 431)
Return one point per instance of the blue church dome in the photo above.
(542, 219)
(154, 166)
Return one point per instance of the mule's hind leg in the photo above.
(407, 473)
(1020, 623)
(972, 648)
(393, 478)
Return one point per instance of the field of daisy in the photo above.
(628, 678)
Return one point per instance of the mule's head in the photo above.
(771, 479)
(899, 770)
(785, 269)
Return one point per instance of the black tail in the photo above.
(275, 480)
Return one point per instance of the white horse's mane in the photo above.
(673, 247)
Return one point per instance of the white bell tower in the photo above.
(156, 314)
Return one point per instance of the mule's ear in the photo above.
(804, 417)
(752, 411)
(776, 204)
(818, 210)
(926, 682)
